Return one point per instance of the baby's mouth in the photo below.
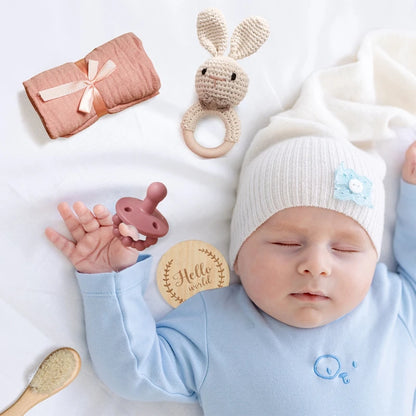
(310, 296)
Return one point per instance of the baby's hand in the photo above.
(409, 165)
(94, 248)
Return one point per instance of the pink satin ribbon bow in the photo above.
(90, 92)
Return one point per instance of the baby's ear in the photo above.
(212, 31)
(248, 36)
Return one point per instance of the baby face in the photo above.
(307, 266)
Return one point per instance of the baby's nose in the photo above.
(315, 263)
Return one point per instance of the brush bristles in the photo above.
(54, 372)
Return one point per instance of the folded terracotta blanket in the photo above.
(74, 95)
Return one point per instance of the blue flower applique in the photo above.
(349, 186)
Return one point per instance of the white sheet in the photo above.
(40, 307)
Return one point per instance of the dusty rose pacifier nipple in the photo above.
(138, 223)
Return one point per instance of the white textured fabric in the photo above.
(301, 172)
(362, 102)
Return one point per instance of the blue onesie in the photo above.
(219, 349)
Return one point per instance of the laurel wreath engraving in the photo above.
(166, 275)
(218, 264)
(167, 285)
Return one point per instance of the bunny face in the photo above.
(220, 83)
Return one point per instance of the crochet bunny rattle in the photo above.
(220, 82)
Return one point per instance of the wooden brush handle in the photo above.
(25, 402)
(33, 395)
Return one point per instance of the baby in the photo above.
(317, 326)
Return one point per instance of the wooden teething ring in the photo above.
(232, 129)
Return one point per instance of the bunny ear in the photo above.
(212, 31)
(248, 36)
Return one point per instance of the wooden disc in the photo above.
(188, 268)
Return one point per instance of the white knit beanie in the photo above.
(311, 172)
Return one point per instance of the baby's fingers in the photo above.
(409, 166)
(64, 245)
(71, 221)
(86, 218)
(103, 215)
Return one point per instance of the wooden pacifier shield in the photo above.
(188, 268)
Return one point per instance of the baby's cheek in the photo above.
(254, 285)
(355, 290)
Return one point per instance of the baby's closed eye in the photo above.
(287, 244)
(345, 249)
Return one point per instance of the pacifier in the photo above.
(138, 223)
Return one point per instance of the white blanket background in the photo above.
(121, 154)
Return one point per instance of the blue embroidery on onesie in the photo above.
(328, 367)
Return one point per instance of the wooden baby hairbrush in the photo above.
(55, 373)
